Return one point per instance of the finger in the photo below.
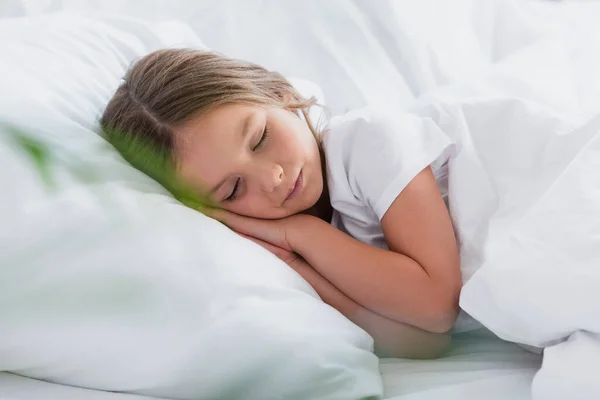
(236, 222)
(216, 213)
(232, 220)
(264, 230)
(245, 236)
(257, 228)
(278, 251)
(256, 240)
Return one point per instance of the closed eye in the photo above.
(263, 139)
(234, 192)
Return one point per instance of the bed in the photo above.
(479, 365)
(415, 50)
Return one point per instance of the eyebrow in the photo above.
(245, 130)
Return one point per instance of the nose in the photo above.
(270, 175)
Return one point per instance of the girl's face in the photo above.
(253, 161)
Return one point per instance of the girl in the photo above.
(356, 210)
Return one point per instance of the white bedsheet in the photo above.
(478, 366)
(14, 387)
(383, 52)
(525, 200)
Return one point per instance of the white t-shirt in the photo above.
(371, 157)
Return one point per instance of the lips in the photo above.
(297, 188)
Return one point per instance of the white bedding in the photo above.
(14, 387)
(525, 200)
(478, 366)
(108, 283)
(558, 79)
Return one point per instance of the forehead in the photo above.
(209, 145)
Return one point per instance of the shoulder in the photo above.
(358, 131)
(352, 145)
(369, 131)
(374, 154)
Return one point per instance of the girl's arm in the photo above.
(416, 282)
(392, 338)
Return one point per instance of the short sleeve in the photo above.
(381, 153)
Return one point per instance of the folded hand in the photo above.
(274, 232)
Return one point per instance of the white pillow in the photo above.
(384, 52)
(333, 43)
(106, 282)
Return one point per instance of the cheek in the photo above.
(258, 207)
(310, 150)
(251, 204)
(299, 144)
(294, 133)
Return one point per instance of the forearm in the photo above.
(392, 338)
(385, 282)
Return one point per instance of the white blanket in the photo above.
(525, 199)
(522, 94)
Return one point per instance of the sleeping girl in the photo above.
(356, 208)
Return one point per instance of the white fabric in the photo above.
(384, 52)
(333, 43)
(371, 157)
(106, 282)
(478, 366)
(15, 387)
(377, 53)
(570, 369)
(524, 71)
(524, 192)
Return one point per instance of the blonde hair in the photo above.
(170, 87)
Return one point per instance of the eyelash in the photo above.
(260, 144)
(233, 194)
(262, 140)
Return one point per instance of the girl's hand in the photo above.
(274, 232)
(392, 339)
(292, 259)
(288, 257)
